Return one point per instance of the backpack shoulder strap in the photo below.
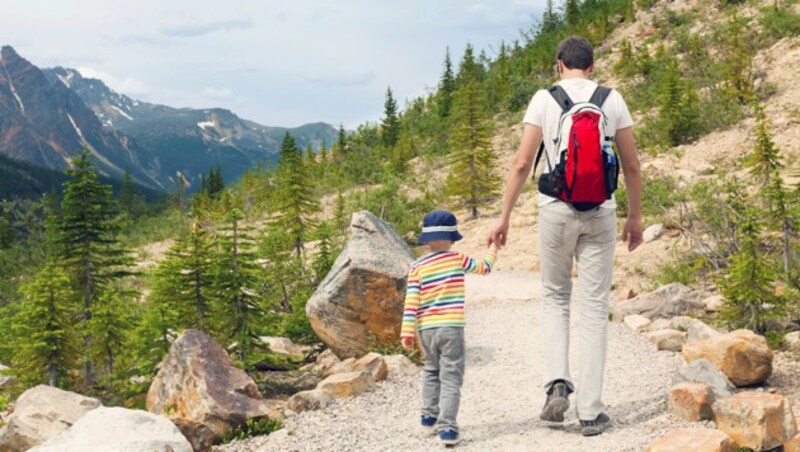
(561, 97)
(538, 157)
(600, 95)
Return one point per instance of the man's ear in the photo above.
(590, 69)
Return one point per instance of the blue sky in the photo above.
(276, 62)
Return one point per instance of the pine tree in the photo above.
(765, 159)
(236, 283)
(549, 19)
(215, 183)
(296, 204)
(6, 230)
(469, 69)
(390, 124)
(108, 327)
(45, 349)
(324, 260)
(183, 280)
(572, 14)
(472, 179)
(92, 255)
(447, 86)
(748, 292)
(340, 147)
(340, 220)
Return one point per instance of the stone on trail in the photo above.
(660, 324)
(793, 445)
(691, 402)
(119, 430)
(400, 365)
(743, 356)
(653, 232)
(636, 323)
(41, 413)
(341, 367)
(669, 340)
(373, 363)
(702, 371)
(693, 439)
(699, 331)
(757, 420)
(363, 293)
(792, 341)
(198, 382)
(347, 385)
(282, 346)
(714, 303)
(681, 322)
(315, 399)
(326, 360)
(668, 301)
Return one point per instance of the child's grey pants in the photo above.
(590, 239)
(443, 374)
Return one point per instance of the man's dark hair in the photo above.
(576, 53)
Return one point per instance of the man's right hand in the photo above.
(498, 234)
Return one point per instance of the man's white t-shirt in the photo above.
(544, 111)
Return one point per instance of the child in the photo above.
(434, 307)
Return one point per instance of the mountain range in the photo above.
(48, 115)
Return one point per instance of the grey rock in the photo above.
(120, 430)
(364, 292)
(41, 413)
(668, 301)
(702, 371)
(669, 340)
(699, 331)
(653, 232)
(315, 399)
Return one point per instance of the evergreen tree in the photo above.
(549, 19)
(237, 280)
(340, 147)
(6, 230)
(447, 86)
(472, 179)
(45, 348)
(108, 327)
(748, 292)
(340, 220)
(765, 160)
(390, 125)
(572, 14)
(215, 184)
(296, 204)
(469, 69)
(183, 280)
(126, 195)
(324, 260)
(92, 255)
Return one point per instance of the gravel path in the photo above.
(502, 394)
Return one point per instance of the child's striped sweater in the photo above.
(435, 293)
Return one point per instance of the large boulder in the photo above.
(120, 430)
(668, 301)
(691, 402)
(41, 413)
(347, 385)
(693, 439)
(363, 293)
(757, 420)
(702, 371)
(743, 356)
(198, 383)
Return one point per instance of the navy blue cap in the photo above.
(439, 225)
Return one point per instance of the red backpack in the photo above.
(586, 172)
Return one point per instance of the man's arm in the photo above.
(626, 145)
(517, 176)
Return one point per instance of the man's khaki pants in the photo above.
(590, 239)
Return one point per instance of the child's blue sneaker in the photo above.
(428, 425)
(449, 437)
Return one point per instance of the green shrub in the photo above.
(779, 22)
(251, 428)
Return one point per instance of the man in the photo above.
(565, 233)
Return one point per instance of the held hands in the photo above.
(632, 233)
(408, 343)
(498, 235)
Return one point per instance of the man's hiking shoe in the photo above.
(449, 437)
(428, 425)
(595, 427)
(557, 403)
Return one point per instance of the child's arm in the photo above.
(483, 267)
(409, 325)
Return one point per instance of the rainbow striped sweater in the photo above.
(435, 293)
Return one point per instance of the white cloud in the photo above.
(126, 85)
(218, 93)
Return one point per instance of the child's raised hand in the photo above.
(408, 343)
(493, 247)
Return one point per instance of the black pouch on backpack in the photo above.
(553, 183)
